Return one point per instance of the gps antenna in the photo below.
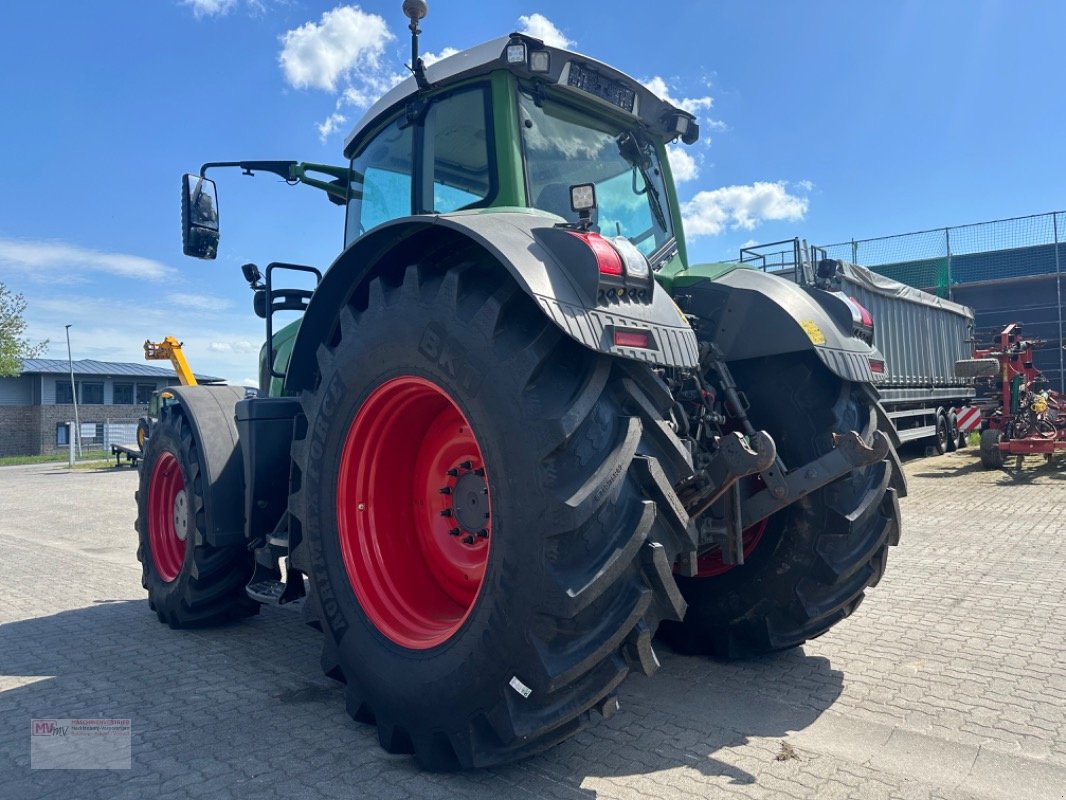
(415, 10)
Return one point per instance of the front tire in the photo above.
(488, 644)
(190, 583)
(991, 455)
(809, 566)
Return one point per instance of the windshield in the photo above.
(563, 148)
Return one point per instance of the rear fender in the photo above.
(556, 270)
(749, 314)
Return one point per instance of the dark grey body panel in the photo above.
(518, 240)
(210, 412)
(489, 56)
(750, 314)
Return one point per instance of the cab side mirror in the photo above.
(199, 217)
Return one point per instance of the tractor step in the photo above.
(266, 586)
(268, 592)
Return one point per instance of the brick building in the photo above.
(36, 407)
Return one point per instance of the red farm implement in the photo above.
(1023, 416)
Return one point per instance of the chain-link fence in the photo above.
(938, 259)
(1008, 270)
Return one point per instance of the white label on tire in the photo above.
(520, 687)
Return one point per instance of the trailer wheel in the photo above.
(190, 583)
(814, 559)
(953, 432)
(991, 455)
(486, 516)
(940, 442)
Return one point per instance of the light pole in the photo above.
(73, 395)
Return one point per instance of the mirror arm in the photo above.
(296, 171)
(337, 189)
(282, 168)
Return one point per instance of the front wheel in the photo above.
(190, 583)
(808, 566)
(478, 514)
(991, 455)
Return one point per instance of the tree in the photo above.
(14, 346)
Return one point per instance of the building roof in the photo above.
(87, 366)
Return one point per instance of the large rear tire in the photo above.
(190, 583)
(486, 516)
(813, 561)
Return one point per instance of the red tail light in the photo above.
(608, 259)
(624, 338)
(876, 366)
(866, 316)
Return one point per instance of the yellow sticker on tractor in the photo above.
(814, 333)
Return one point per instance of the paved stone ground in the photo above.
(949, 682)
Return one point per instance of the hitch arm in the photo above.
(849, 452)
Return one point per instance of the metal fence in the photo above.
(1013, 266)
(99, 436)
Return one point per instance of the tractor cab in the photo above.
(516, 123)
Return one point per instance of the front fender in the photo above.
(750, 314)
(525, 243)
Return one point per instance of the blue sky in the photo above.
(829, 120)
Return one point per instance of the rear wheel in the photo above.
(484, 510)
(953, 432)
(991, 455)
(809, 564)
(942, 436)
(190, 583)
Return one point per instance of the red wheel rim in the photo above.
(168, 516)
(413, 512)
(711, 564)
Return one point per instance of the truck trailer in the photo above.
(919, 335)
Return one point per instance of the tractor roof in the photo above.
(567, 69)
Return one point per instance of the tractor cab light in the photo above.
(539, 61)
(583, 196)
(631, 338)
(516, 52)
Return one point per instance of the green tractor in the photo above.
(515, 435)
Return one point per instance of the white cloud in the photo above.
(540, 27)
(200, 302)
(429, 59)
(209, 8)
(658, 86)
(330, 124)
(59, 259)
(711, 212)
(239, 346)
(682, 165)
(318, 55)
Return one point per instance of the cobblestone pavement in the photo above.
(949, 682)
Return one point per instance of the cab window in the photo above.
(452, 170)
(382, 184)
(457, 173)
